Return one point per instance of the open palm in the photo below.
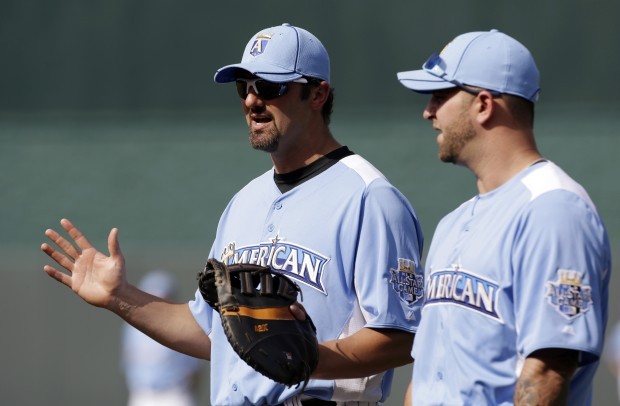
(93, 276)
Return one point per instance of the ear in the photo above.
(319, 95)
(485, 107)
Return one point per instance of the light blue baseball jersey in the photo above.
(522, 268)
(350, 240)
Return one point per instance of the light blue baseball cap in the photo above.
(280, 54)
(491, 60)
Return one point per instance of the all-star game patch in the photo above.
(568, 295)
(404, 280)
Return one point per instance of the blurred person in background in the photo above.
(611, 354)
(155, 374)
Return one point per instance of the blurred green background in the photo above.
(109, 116)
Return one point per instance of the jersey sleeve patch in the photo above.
(406, 282)
(568, 295)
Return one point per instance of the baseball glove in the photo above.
(253, 302)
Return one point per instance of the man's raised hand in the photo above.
(95, 277)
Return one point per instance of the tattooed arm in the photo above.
(545, 377)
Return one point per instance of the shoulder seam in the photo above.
(366, 171)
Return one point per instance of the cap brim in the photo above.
(268, 72)
(422, 82)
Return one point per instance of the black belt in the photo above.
(318, 402)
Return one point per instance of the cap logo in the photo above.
(259, 45)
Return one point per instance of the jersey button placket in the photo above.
(274, 217)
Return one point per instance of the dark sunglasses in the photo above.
(265, 89)
(436, 66)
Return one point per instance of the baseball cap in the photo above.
(491, 60)
(280, 54)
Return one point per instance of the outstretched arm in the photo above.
(367, 352)
(100, 281)
(545, 377)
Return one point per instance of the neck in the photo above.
(495, 175)
(503, 160)
(315, 146)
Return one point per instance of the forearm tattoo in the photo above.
(547, 390)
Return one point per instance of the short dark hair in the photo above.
(521, 109)
(328, 107)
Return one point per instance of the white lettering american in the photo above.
(461, 288)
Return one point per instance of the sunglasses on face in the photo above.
(436, 66)
(264, 89)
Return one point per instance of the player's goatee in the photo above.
(265, 140)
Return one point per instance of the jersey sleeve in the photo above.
(388, 274)
(202, 312)
(561, 267)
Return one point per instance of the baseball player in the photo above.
(323, 216)
(516, 278)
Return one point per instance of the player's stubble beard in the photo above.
(455, 136)
(265, 139)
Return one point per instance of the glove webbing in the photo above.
(247, 287)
